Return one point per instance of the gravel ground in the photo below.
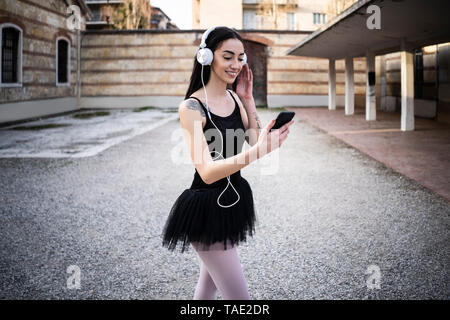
(327, 215)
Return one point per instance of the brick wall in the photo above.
(41, 22)
(159, 63)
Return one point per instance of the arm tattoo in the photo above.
(255, 115)
(195, 105)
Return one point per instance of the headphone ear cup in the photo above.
(244, 59)
(205, 56)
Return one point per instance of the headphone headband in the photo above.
(205, 55)
(205, 36)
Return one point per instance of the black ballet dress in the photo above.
(196, 216)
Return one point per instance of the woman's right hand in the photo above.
(269, 141)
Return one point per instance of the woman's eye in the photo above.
(226, 58)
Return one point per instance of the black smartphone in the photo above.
(282, 118)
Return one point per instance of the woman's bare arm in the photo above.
(252, 119)
(190, 113)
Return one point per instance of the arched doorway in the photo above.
(257, 61)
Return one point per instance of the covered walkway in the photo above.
(405, 26)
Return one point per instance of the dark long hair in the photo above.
(212, 42)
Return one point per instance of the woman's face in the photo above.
(227, 62)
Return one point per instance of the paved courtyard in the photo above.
(421, 155)
(327, 218)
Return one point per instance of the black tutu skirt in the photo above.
(196, 217)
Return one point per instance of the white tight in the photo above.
(220, 269)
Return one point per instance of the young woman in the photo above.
(217, 212)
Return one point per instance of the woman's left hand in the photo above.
(244, 86)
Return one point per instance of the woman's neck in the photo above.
(216, 89)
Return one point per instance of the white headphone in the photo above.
(205, 57)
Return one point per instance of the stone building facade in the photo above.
(153, 67)
(38, 58)
(305, 15)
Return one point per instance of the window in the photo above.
(418, 74)
(62, 61)
(249, 19)
(319, 18)
(11, 55)
(443, 59)
(291, 21)
(96, 14)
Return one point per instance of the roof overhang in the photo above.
(405, 25)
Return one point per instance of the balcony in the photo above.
(99, 19)
(252, 3)
(267, 5)
(103, 1)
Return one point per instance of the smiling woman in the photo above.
(210, 216)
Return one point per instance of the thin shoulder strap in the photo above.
(201, 103)
(232, 96)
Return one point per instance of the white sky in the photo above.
(179, 11)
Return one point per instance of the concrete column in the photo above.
(371, 109)
(78, 69)
(382, 73)
(331, 84)
(407, 79)
(349, 87)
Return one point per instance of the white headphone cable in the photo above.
(220, 153)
